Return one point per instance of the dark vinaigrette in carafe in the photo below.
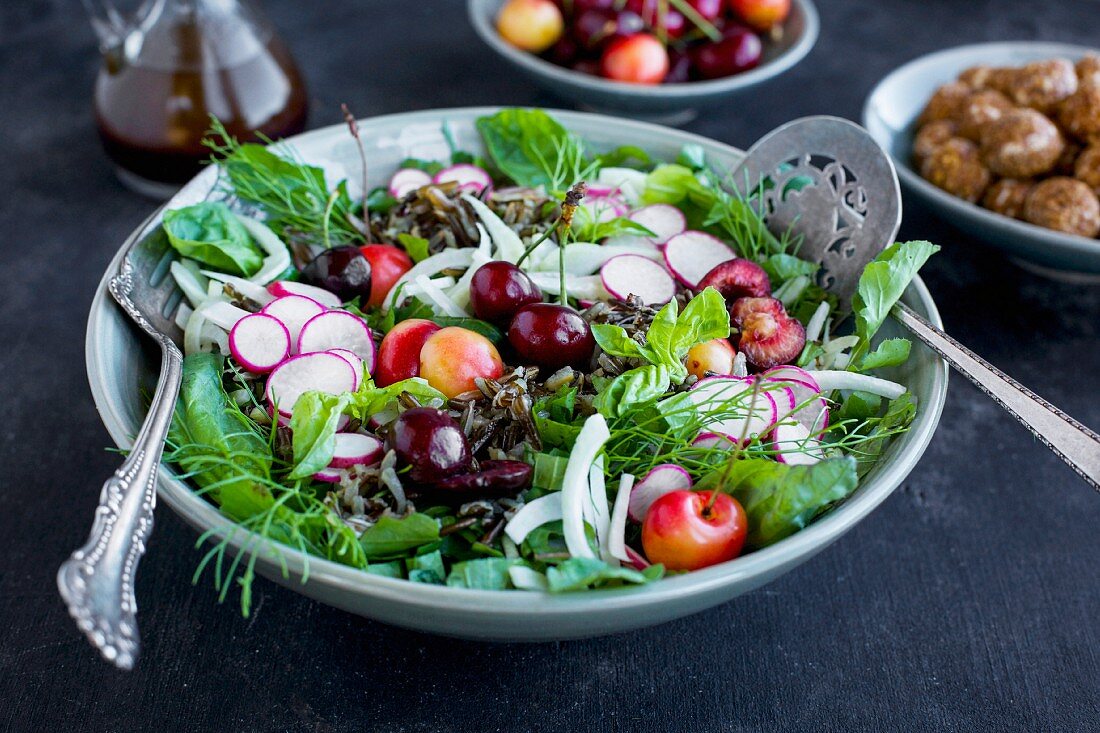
(187, 60)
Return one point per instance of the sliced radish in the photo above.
(352, 358)
(330, 475)
(604, 208)
(355, 449)
(634, 274)
(338, 330)
(692, 254)
(407, 180)
(726, 395)
(321, 372)
(809, 408)
(467, 176)
(664, 220)
(659, 481)
(636, 560)
(712, 440)
(281, 288)
(259, 342)
(294, 311)
(793, 445)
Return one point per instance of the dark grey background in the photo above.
(968, 601)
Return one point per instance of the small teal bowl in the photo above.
(667, 103)
(890, 115)
(120, 372)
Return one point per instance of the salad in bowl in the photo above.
(541, 366)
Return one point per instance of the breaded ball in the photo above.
(1002, 78)
(1021, 144)
(1088, 69)
(956, 167)
(1042, 85)
(946, 103)
(1087, 168)
(1068, 159)
(981, 109)
(976, 77)
(931, 136)
(1007, 196)
(1080, 113)
(1064, 204)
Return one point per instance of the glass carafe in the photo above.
(172, 64)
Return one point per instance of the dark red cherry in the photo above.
(593, 27)
(551, 336)
(430, 443)
(499, 289)
(493, 479)
(738, 51)
(340, 270)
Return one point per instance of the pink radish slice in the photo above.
(636, 560)
(794, 446)
(729, 396)
(599, 192)
(293, 311)
(284, 420)
(604, 208)
(322, 372)
(280, 288)
(352, 358)
(664, 220)
(691, 255)
(407, 180)
(330, 475)
(259, 342)
(338, 330)
(355, 449)
(467, 176)
(659, 481)
(381, 419)
(624, 275)
(813, 409)
(712, 440)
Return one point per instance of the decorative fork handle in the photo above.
(1070, 440)
(97, 581)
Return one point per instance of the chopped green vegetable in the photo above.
(533, 149)
(391, 537)
(882, 283)
(580, 573)
(210, 233)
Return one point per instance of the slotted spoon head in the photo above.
(826, 182)
(145, 288)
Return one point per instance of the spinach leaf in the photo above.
(779, 499)
(624, 154)
(427, 568)
(391, 537)
(489, 573)
(882, 283)
(428, 166)
(533, 149)
(890, 352)
(210, 233)
(631, 389)
(549, 471)
(417, 247)
(579, 573)
(313, 424)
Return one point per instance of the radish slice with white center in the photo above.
(330, 475)
(661, 480)
(294, 311)
(352, 358)
(712, 440)
(407, 180)
(281, 288)
(634, 274)
(636, 560)
(692, 254)
(794, 446)
(603, 208)
(727, 407)
(320, 372)
(809, 408)
(467, 176)
(664, 220)
(338, 330)
(259, 342)
(355, 449)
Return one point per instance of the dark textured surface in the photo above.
(968, 601)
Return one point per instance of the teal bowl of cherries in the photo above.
(661, 60)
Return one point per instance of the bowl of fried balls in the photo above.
(1002, 140)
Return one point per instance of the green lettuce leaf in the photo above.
(489, 573)
(580, 573)
(890, 352)
(417, 247)
(210, 233)
(533, 149)
(631, 389)
(391, 537)
(882, 283)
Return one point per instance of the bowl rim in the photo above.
(967, 54)
(684, 90)
(205, 517)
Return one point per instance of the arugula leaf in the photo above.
(783, 267)
(417, 247)
(579, 573)
(489, 573)
(632, 388)
(380, 200)
(899, 415)
(391, 537)
(859, 406)
(314, 424)
(779, 499)
(533, 149)
(882, 283)
(210, 233)
(890, 352)
(428, 166)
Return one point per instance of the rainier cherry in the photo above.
(688, 530)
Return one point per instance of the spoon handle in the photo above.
(1070, 440)
(97, 581)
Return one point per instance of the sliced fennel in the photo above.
(445, 260)
(828, 380)
(576, 489)
(509, 246)
(278, 255)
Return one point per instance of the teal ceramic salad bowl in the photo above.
(670, 103)
(890, 115)
(120, 370)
